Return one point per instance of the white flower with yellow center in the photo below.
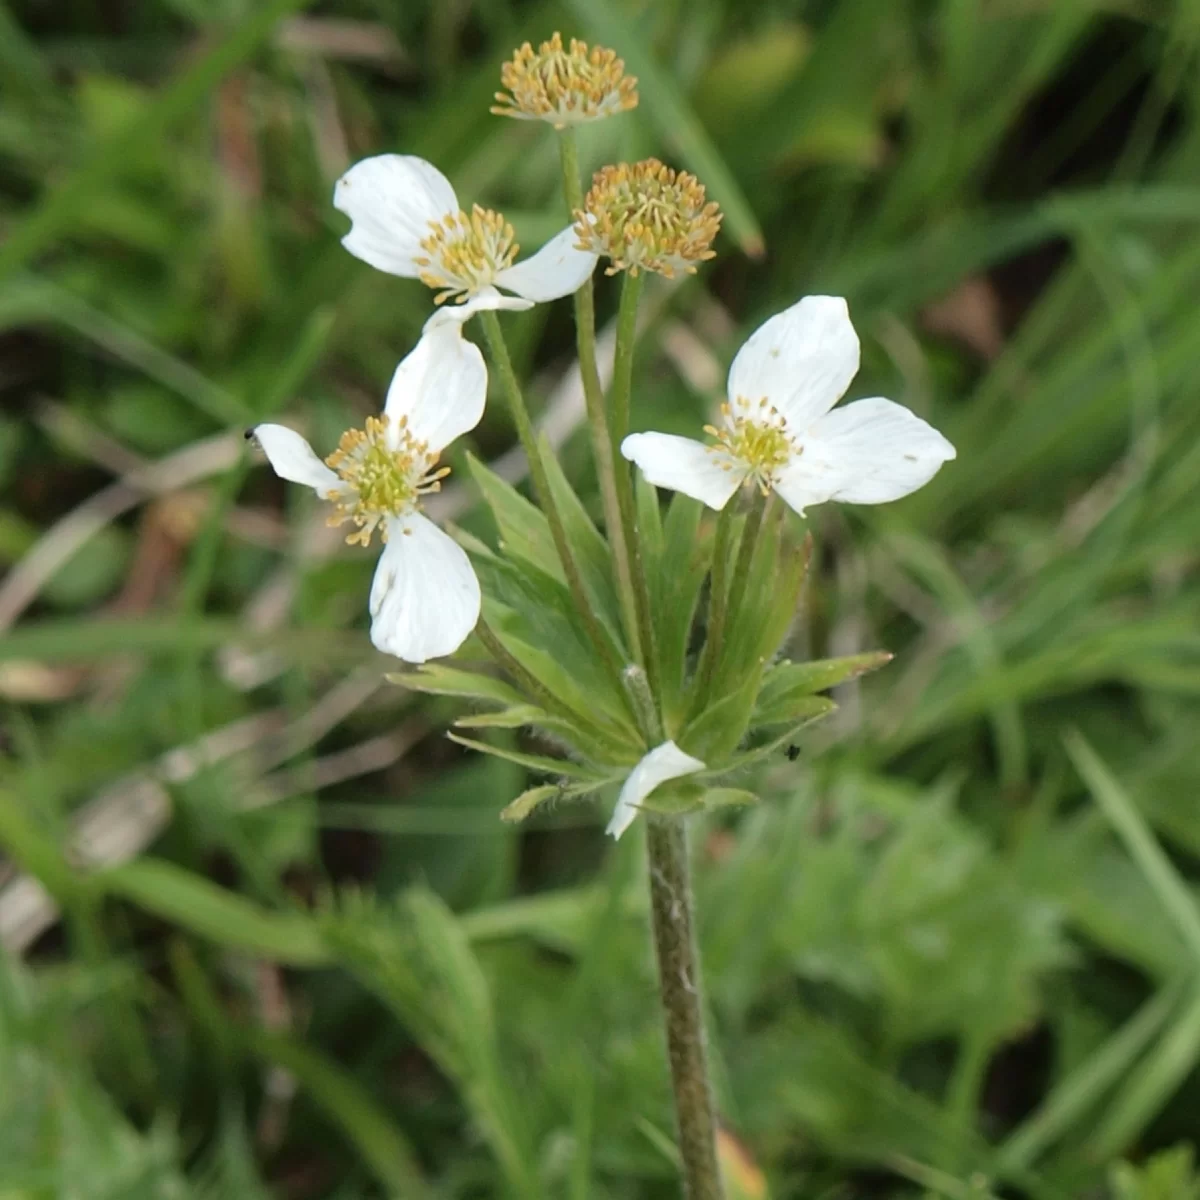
(406, 221)
(662, 764)
(780, 430)
(425, 596)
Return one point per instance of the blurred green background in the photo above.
(263, 932)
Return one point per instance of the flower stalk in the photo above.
(679, 988)
(622, 386)
(598, 428)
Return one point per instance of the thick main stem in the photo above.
(679, 985)
(498, 349)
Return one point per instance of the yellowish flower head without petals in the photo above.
(564, 86)
(648, 217)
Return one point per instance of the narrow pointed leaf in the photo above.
(534, 762)
(819, 706)
(506, 718)
(787, 683)
(435, 679)
(528, 801)
(524, 530)
(729, 797)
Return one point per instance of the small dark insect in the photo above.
(793, 752)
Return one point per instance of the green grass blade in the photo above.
(1076, 1095)
(378, 1139)
(1158, 870)
(213, 912)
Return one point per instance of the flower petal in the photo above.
(868, 452)
(801, 360)
(486, 298)
(683, 465)
(663, 763)
(391, 199)
(425, 597)
(557, 269)
(293, 458)
(440, 387)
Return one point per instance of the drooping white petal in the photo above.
(663, 763)
(425, 596)
(683, 465)
(392, 198)
(868, 452)
(557, 269)
(293, 458)
(486, 298)
(802, 360)
(440, 387)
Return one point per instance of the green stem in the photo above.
(966, 1083)
(541, 488)
(622, 386)
(637, 686)
(593, 393)
(679, 988)
(631, 294)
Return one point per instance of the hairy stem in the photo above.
(679, 986)
(593, 392)
(541, 487)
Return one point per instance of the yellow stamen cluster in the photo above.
(564, 87)
(648, 217)
(755, 436)
(465, 252)
(382, 476)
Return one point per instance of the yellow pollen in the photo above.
(754, 436)
(464, 252)
(646, 216)
(382, 476)
(564, 87)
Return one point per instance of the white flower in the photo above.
(663, 763)
(425, 597)
(781, 430)
(406, 221)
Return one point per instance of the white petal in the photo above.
(685, 466)
(868, 452)
(557, 269)
(663, 763)
(801, 360)
(425, 597)
(293, 458)
(440, 387)
(486, 298)
(391, 199)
